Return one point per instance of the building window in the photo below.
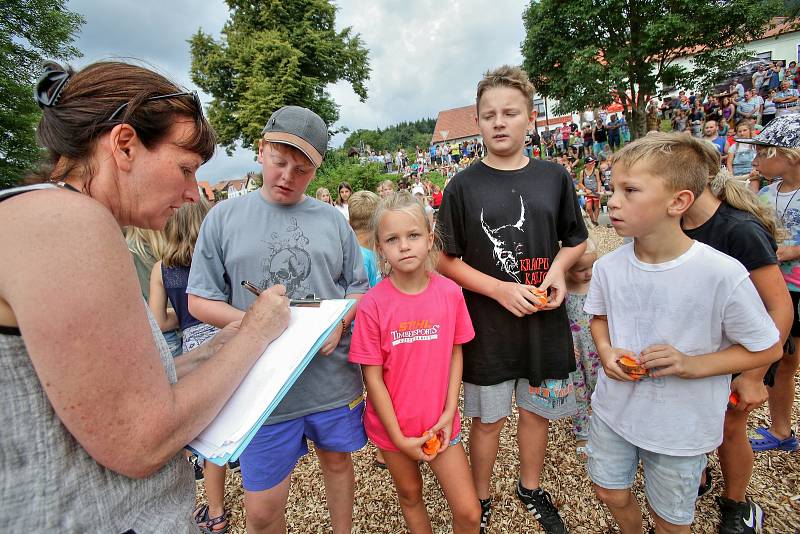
(764, 55)
(538, 105)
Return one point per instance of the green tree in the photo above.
(406, 135)
(31, 31)
(274, 53)
(587, 54)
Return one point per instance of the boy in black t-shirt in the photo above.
(502, 220)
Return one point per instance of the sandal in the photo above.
(769, 442)
(206, 524)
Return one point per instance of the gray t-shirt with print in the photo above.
(309, 248)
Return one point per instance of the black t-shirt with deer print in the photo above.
(508, 224)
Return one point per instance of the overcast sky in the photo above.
(425, 55)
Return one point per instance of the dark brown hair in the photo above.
(70, 129)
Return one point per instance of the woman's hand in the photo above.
(269, 315)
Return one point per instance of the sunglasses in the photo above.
(193, 94)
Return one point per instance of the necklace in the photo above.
(777, 194)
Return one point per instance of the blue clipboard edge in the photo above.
(222, 460)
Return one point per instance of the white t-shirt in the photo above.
(701, 302)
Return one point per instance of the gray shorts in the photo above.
(553, 399)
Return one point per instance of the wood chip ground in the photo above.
(775, 485)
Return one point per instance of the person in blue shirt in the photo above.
(711, 134)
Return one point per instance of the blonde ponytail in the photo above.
(737, 195)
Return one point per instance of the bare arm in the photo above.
(729, 160)
(158, 301)
(608, 354)
(769, 283)
(85, 360)
(213, 312)
(555, 279)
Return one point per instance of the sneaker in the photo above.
(234, 466)
(740, 517)
(705, 488)
(198, 467)
(540, 504)
(486, 513)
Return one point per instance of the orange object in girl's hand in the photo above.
(541, 297)
(432, 446)
(632, 367)
(733, 400)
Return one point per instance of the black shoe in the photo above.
(486, 513)
(540, 504)
(198, 467)
(234, 466)
(707, 486)
(740, 517)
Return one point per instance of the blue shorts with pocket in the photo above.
(275, 450)
(670, 482)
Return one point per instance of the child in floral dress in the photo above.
(587, 361)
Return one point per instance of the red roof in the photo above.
(205, 187)
(454, 124)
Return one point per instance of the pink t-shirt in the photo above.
(412, 337)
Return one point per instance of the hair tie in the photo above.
(718, 182)
(51, 83)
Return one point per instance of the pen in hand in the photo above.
(307, 303)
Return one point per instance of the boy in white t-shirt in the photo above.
(688, 314)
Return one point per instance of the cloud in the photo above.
(425, 55)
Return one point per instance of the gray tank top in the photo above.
(590, 181)
(49, 483)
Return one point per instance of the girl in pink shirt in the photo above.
(408, 335)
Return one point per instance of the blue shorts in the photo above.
(275, 449)
(670, 482)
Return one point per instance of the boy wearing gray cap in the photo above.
(281, 236)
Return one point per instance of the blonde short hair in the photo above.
(683, 162)
(792, 154)
(362, 206)
(507, 76)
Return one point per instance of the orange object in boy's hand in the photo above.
(733, 400)
(540, 295)
(432, 446)
(632, 367)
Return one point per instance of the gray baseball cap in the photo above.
(300, 128)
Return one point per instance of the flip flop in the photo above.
(769, 442)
